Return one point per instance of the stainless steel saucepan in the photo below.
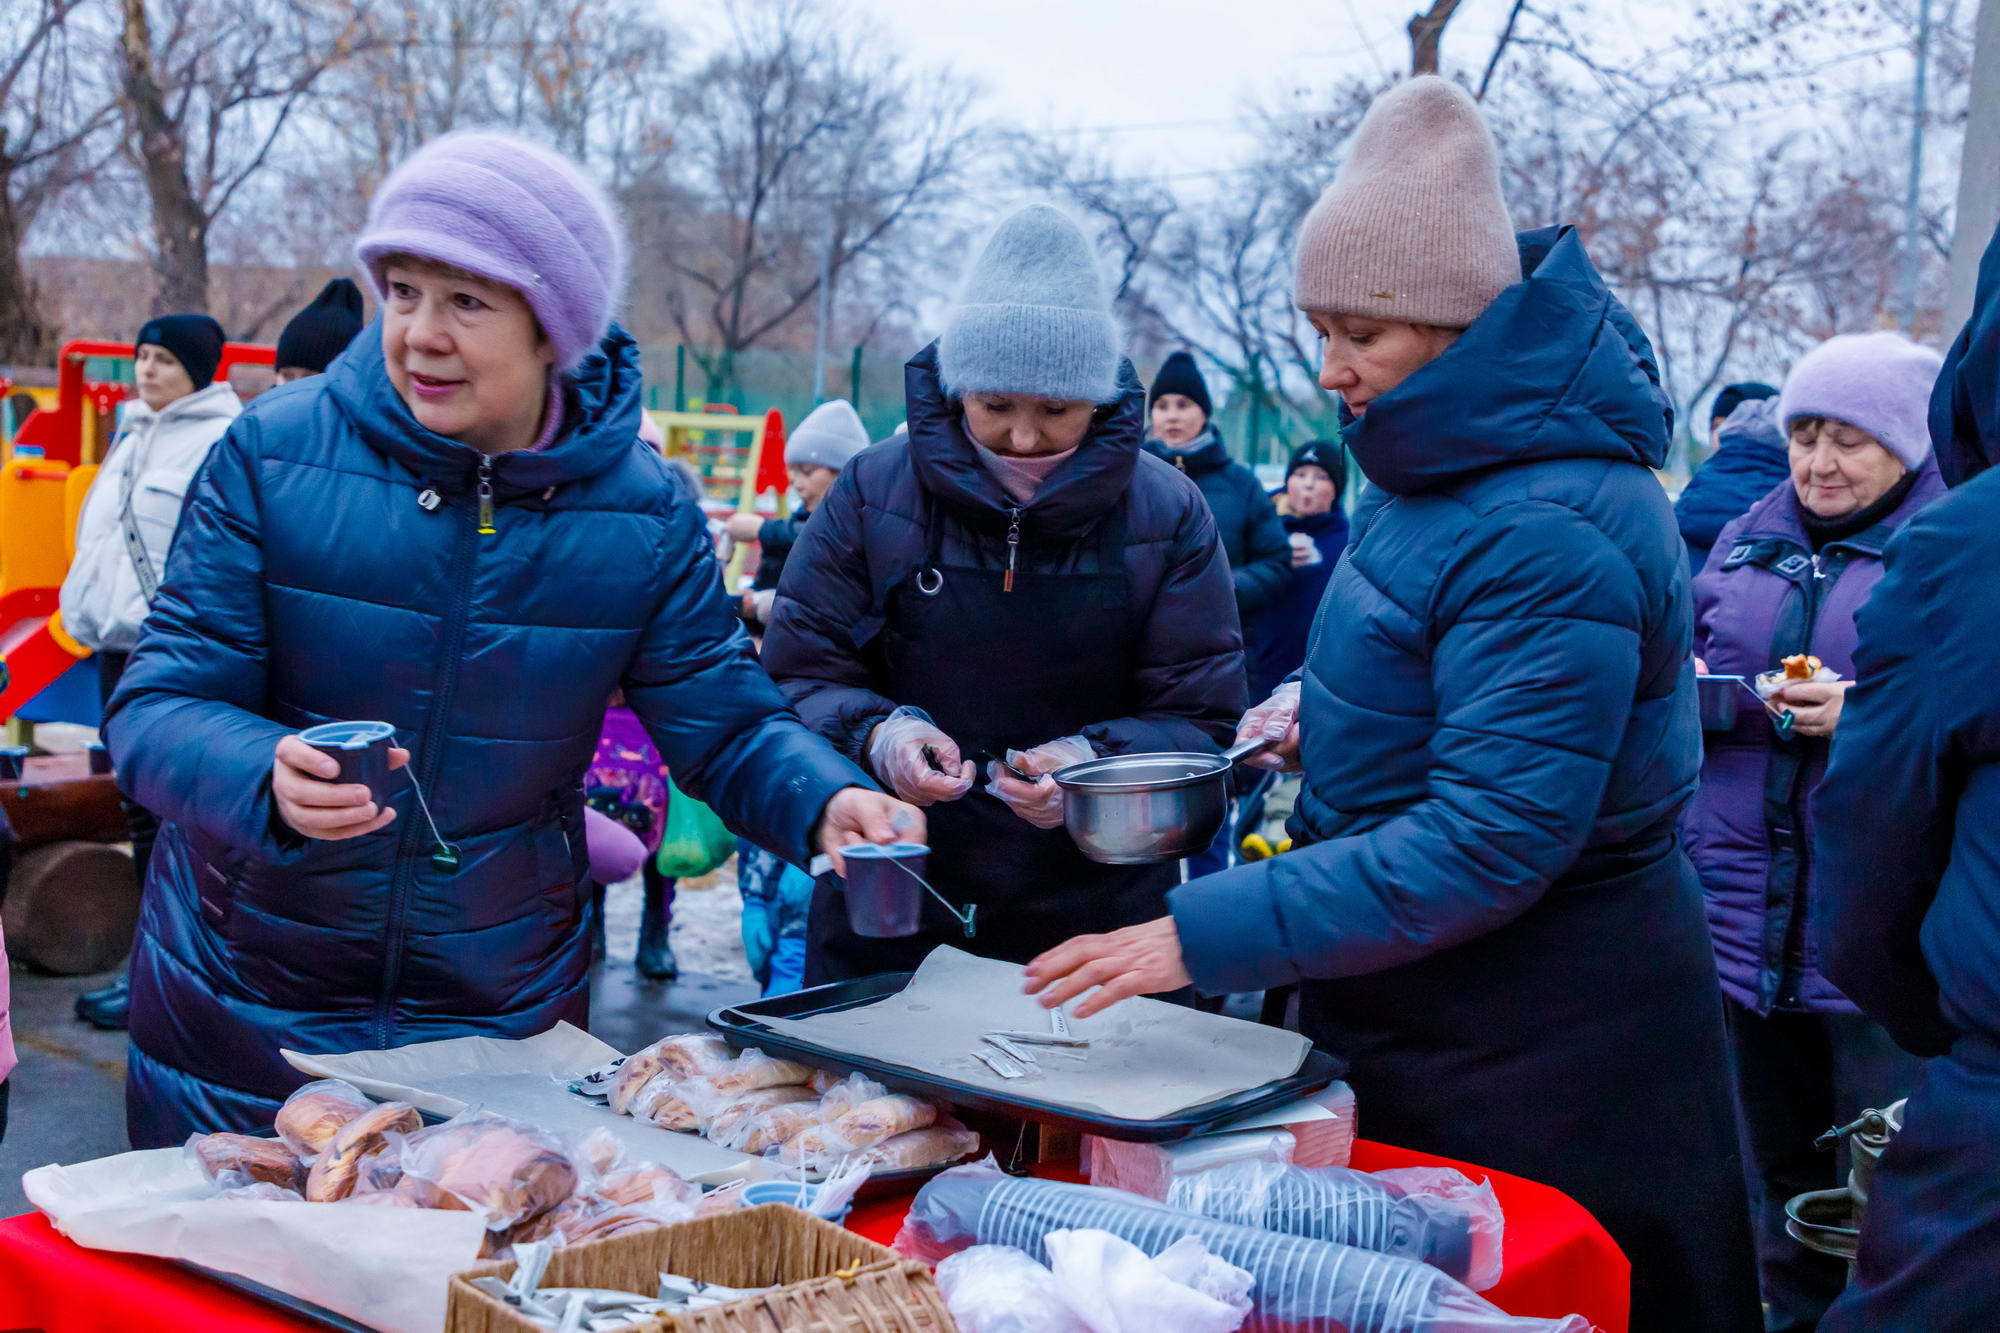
(1141, 809)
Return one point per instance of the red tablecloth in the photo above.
(1559, 1261)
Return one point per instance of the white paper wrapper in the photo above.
(1146, 1060)
(384, 1267)
(524, 1079)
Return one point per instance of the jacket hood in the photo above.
(1753, 425)
(1555, 368)
(1965, 402)
(1075, 496)
(211, 402)
(601, 419)
(1209, 458)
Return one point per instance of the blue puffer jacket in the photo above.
(1749, 460)
(309, 582)
(1487, 905)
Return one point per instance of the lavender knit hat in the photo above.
(1880, 382)
(513, 212)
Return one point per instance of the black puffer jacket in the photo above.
(870, 534)
(1253, 537)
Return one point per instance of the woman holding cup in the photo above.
(439, 534)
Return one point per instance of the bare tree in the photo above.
(1426, 33)
(53, 114)
(802, 149)
(208, 88)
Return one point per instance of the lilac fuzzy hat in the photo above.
(513, 212)
(1880, 382)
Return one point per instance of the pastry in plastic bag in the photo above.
(884, 1118)
(753, 1069)
(762, 1119)
(838, 1095)
(268, 1160)
(649, 1184)
(311, 1116)
(689, 1056)
(484, 1163)
(335, 1172)
(921, 1148)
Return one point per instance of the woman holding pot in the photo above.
(438, 533)
(1014, 578)
(1488, 910)
(1788, 577)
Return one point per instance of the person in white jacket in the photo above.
(128, 522)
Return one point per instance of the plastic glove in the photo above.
(756, 605)
(1278, 719)
(918, 762)
(1039, 802)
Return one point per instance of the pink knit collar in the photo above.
(1022, 477)
(552, 420)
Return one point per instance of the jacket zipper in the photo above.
(1013, 548)
(429, 756)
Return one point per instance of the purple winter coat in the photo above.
(1748, 830)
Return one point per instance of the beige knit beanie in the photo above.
(1414, 228)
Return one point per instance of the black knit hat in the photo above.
(195, 340)
(1733, 394)
(1327, 455)
(321, 331)
(1179, 374)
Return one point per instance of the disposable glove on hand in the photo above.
(897, 756)
(1277, 719)
(1039, 802)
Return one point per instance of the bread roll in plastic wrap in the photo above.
(485, 1163)
(758, 1121)
(268, 1160)
(921, 1148)
(649, 1184)
(884, 1118)
(753, 1069)
(311, 1116)
(691, 1055)
(335, 1172)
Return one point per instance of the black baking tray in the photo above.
(742, 1025)
(304, 1310)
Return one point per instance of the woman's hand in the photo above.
(1278, 719)
(1701, 667)
(311, 802)
(743, 527)
(856, 814)
(1138, 960)
(1039, 802)
(1815, 705)
(908, 754)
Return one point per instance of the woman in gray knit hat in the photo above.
(1014, 577)
(1487, 908)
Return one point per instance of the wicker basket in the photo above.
(832, 1281)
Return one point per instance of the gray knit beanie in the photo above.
(1414, 228)
(1035, 316)
(830, 436)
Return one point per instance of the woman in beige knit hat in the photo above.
(1488, 908)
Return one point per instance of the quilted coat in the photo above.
(331, 565)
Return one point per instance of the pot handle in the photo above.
(1245, 749)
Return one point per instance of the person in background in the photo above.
(1016, 580)
(1748, 460)
(1788, 577)
(129, 519)
(456, 531)
(1309, 507)
(824, 443)
(1488, 911)
(1907, 841)
(1181, 433)
(320, 332)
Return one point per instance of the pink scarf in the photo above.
(1022, 477)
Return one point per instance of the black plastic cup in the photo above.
(884, 899)
(100, 758)
(13, 762)
(361, 749)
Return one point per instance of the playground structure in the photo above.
(734, 471)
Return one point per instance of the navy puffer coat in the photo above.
(1260, 558)
(1489, 910)
(1749, 459)
(308, 582)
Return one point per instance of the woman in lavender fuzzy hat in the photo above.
(1787, 578)
(454, 531)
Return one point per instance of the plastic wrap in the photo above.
(753, 1070)
(755, 1122)
(921, 1148)
(689, 1055)
(1311, 1286)
(999, 1289)
(1152, 1169)
(336, 1172)
(1431, 1214)
(246, 1157)
(503, 1170)
(1116, 1288)
(838, 1096)
(235, 1186)
(882, 1118)
(311, 1116)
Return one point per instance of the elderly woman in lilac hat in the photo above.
(454, 531)
(1785, 579)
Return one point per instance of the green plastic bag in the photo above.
(694, 841)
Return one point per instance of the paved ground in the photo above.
(68, 1099)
